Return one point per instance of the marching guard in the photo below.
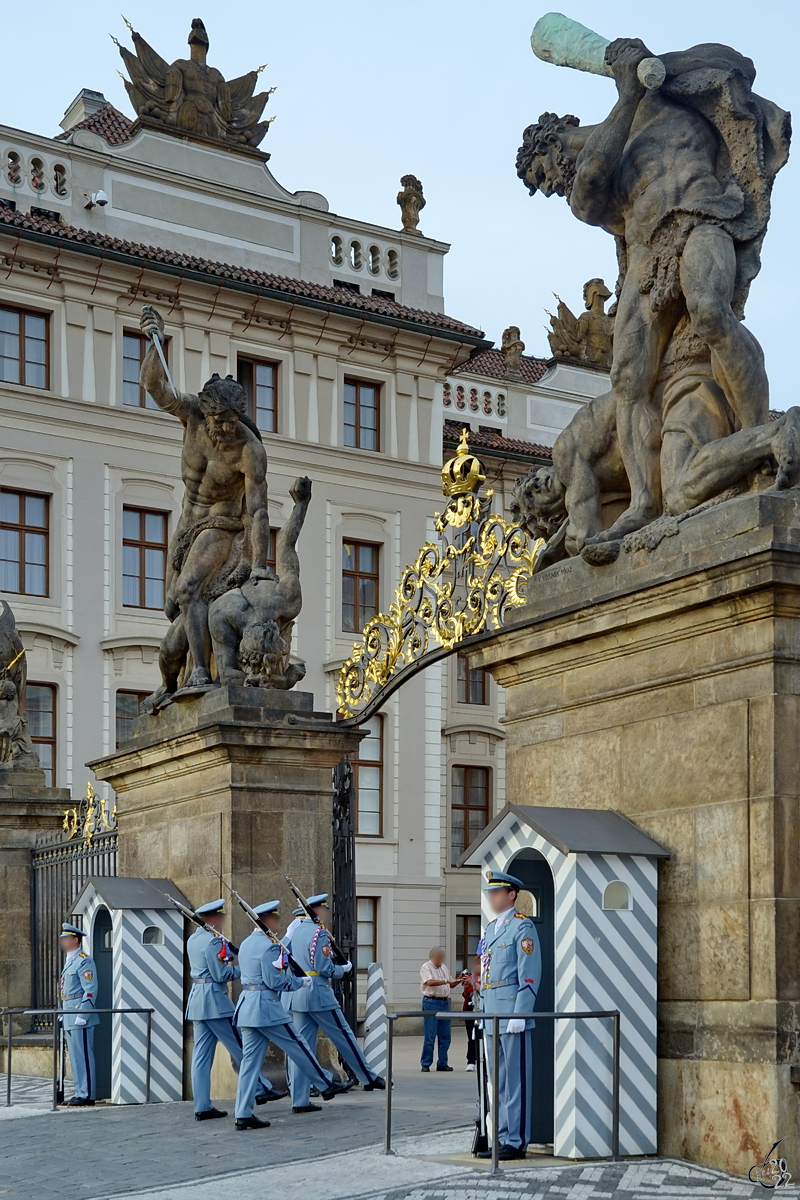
(261, 1019)
(511, 961)
(77, 990)
(210, 1010)
(316, 1007)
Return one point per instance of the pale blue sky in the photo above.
(368, 91)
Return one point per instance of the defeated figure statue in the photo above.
(251, 626)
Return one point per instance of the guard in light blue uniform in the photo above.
(316, 1007)
(210, 1010)
(261, 1018)
(77, 991)
(511, 969)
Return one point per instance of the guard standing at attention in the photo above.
(210, 1010)
(316, 1007)
(77, 990)
(261, 1018)
(511, 962)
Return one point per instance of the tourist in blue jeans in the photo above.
(435, 985)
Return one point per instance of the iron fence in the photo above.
(60, 868)
(343, 917)
(58, 1045)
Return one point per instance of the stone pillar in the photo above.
(27, 808)
(667, 686)
(220, 781)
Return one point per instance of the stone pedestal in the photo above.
(218, 783)
(667, 686)
(27, 808)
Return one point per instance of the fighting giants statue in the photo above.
(221, 542)
(681, 176)
(16, 748)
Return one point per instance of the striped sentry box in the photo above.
(605, 958)
(147, 970)
(375, 1019)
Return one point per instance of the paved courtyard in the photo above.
(159, 1152)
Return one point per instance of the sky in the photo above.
(368, 91)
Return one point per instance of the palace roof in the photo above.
(493, 364)
(43, 227)
(106, 121)
(494, 443)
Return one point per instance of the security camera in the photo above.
(97, 198)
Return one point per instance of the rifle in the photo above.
(480, 1141)
(294, 965)
(339, 957)
(60, 1086)
(191, 915)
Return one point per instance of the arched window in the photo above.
(337, 253)
(152, 936)
(356, 256)
(60, 180)
(13, 168)
(616, 896)
(375, 260)
(393, 264)
(38, 182)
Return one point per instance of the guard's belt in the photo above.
(312, 972)
(201, 980)
(502, 983)
(256, 987)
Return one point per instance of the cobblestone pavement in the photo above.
(159, 1152)
(32, 1090)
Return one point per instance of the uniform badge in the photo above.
(326, 950)
(88, 975)
(527, 945)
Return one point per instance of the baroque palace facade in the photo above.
(356, 377)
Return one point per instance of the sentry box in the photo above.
(593, 884)
(135, 937)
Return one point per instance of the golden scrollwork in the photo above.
(459, 588)
(89, 817)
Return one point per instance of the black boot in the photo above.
(304, 1108)
(377, 1084)
(80, 1102)
(268, 1097)
(210, 1114)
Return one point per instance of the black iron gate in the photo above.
(344, 883)
(61, 863)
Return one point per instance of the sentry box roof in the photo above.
(118, 893)
(570, 830)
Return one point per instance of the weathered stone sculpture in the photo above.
(16, 748)
(251, 626)
(412, 202)
(190, 97)
(589, 337)
(222, 538)
(681, 176)
(511, 348)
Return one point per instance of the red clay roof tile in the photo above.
(108, 122)
(484, 439)
(298, 289)
(493, 364)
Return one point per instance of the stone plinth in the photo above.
(667, 686)
(27, 808)
(220, 782)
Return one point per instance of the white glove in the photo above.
(278, 965)
(80, 1020)
(307, 982)
(515, 1025)
(347, 967)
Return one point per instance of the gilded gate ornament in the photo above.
(461, 587)
(89, 817)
